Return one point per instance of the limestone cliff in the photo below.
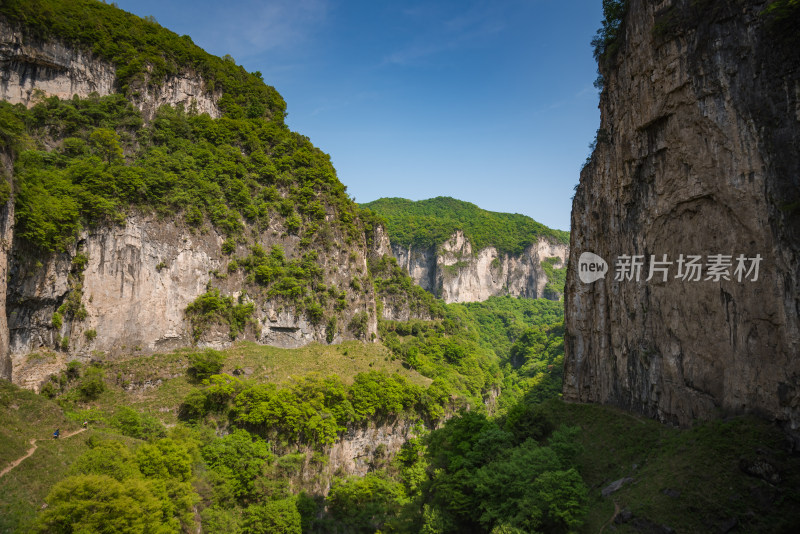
(697, 154)
(6, 236)
(30, 67)
(456, 273)
(135, 288)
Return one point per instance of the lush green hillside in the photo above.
(280, 408)
(143, 52)
(90, 161)
(430, 222)
(227, 435)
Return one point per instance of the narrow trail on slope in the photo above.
(33, 448)
(613, 517)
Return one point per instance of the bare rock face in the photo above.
(30, 67)
(136, 284)
(6, 238)
(697, 154)
(457, 274)
(361, 447)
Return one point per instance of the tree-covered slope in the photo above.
(143, 52)
(426, 223)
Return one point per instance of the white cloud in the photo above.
(252, 27)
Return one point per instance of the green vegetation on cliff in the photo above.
(84, 162)
(143, 52)
(427, 223)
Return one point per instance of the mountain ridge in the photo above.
(432, 221)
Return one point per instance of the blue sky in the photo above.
(486, 101)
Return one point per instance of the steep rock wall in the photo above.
(28, 66)
(136, 285)
(696, 154)
(6, 237)
(457, 274)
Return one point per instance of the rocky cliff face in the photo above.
(30, 67)
(696, 155)
(456, 273)
(6, 237)
(135, 287)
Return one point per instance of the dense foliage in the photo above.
(431, 222)
(112, 489)
(556, 278)
(255, 478)
(211, 307)
(503, 343)
(227, 172)
(481, 480)
(311, 410)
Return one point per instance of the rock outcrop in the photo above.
(456, 273)
(697, 154)
(135, 287)
(31, 68)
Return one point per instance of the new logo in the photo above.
(591, 267)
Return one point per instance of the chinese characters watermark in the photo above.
(687, 268)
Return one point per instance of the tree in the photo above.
(272, 517)
(92, 384)
(206, 363)
(99, 503)
(106, 143)
(364, 504)
(110, 458)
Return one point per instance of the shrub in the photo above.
(194, 405)
(272, 517)
(206, 363)
(212, 306)
(358, 325)
(330, 330)
(364, 504)
(99, 503)
(92, 384)
(79, 262)
(136, 425)
(73, 370)
(229, 246)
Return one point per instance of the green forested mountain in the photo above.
(427, 223)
